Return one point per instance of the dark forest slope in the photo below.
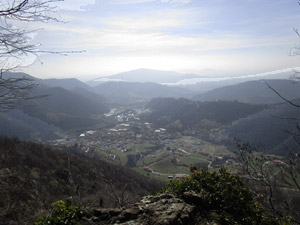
(32, 176)
(65, 109)
(15, 123)
(272, 129)
(183, 114)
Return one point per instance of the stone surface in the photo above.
(164, 209)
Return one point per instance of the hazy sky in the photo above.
(223, 37)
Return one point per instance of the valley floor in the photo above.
(148, 149)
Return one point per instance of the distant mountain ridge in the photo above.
(67, 83)
(122, 92)
(255, 92)
(72, 104)
(19, 75)
(145, 75)
(65, 109)
(66, 104)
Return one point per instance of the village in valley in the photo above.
(150, 150)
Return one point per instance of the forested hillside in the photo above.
(16, 123)
(181, 114)
(52, 109)
(272, 129)
(32, 176)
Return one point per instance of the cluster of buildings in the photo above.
(131, 130)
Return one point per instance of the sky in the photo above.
(204, 37)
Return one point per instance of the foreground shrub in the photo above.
(222, 193)
(62, 213)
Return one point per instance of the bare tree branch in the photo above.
(272, 177)
(283, 98)
(15, 46)
(28, 10)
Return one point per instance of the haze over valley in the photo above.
(149, 112)
(70, 108)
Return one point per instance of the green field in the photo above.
(165, 160)
(166, 166)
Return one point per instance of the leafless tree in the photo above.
(282, 97)
(14, 90)
(273, 179)
(121, 196)
(15, 45)
(276, 177)
(279, 178)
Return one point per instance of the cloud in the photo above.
(147, 23)
(125, 2)
(176, 1)
(77, 5)
(147, 35)
(94, 64)
(120, 35)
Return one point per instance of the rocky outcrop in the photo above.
(164, 209)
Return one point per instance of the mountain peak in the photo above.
(146, 75)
